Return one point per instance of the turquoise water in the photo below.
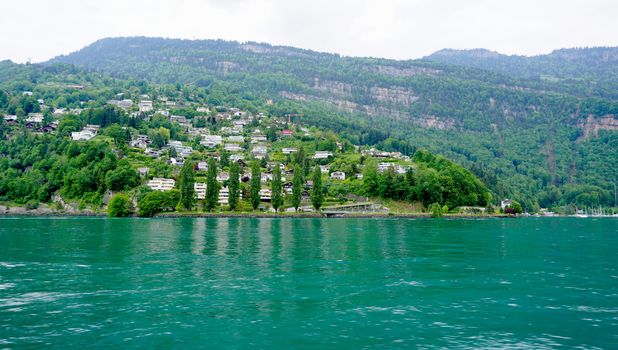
(69, 283)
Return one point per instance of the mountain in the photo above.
(540, 129)
(580, 71)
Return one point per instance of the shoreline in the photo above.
(172, 215)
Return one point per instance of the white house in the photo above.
(161, 184)
(145, 106)
(10, 118)
(322, 154)
(236, 157)
(200, 190)
(35, 118)
(224, 196)
(265, 194)
(259, 151)
(202, 166)
(83, 135)
(140, 141)
(232, 147)
(258, 138)
(236, 139)
(289, 150)
(223, 176)
(264, 177)
(211, 140)
(505, 203)
(384, 166)
(337, 175)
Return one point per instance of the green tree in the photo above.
(277, 195)
(119, 205)
(317, 193)
(186, 182)
(234, 185)
(297, 180)
(254, 195)
(371, 179)
(212, 186)
(155, 202)
(117, 133)
(122, 178)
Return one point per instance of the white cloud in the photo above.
(41, 29)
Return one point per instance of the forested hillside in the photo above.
(545, 137)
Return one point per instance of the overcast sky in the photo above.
(41, 29)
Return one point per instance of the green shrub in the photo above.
(119, 206)
(436, 210)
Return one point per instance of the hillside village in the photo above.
(149, 138)
(227, 135)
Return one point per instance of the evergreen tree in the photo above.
(317, 194)
(186, 181)
(255, 185)
(297, 187)
(234, 185)
(302, 161)
(212, 186)
(277, 196)
(225, 159)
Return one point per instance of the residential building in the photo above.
(236, 139)
(236, 157)
(259, 151)
(224, 196)
(202, 166)
(232, 147)
(289, 150)
(200, 190)
(211, 141)
(258, 138)
(161, 184)
(140, 141)
(382, 167)
(265, 194)
(36, 118)
(10, 118)
(264, 177)
(322, 155)
(145, 106)
(223, 176)
(337, 175)
(505, 203)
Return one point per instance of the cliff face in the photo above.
(592, 125)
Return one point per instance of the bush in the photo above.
(436, 210)
(32, 204)
(119, 206)
(514, 208)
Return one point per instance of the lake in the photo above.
(530, 283)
